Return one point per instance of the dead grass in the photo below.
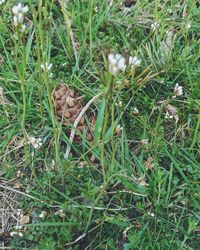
(9, 212)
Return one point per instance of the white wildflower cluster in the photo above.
(168, 115)
(119, 104)
(178, 90)
(19, 12)
(35, 142)
(46, 67)
(96, 9)
(17, 232)
(117, 63)
(151, 214)
(2, 1)
(134, 62)
(154, 26)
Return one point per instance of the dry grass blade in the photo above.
(173, 111)
(9, 214)
(71, 138)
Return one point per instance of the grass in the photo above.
(142, 191)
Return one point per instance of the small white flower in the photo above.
(168, 116)
(134, 62)
(121, 64)
(2, 1)
(49, 67)
(36, 146)
(12, 233)
(118, 56)
(131, 60)
(178, 90)
(169, 11)
(96, 9)
(20, 234)
(35, 142)
(118, 128)
(114, 70)
(43, 214)
(18, 227)
(136, 111)
(46, 66)
(42, 66)
(25, 9)
(144, 141)
(61, 213)
(117, 63)
(120, 103)
(137, 63)
(151, 214)
(112, 59)
(188, 25)
(155, 25)
(16, 9)
(19, 12)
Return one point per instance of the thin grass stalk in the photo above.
(47, 86)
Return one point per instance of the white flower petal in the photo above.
(15, 10)
(114, 70)
(19, 6)
(20, 234)
(138, 62)
(23, 28)
(20, 18)
(112, 59)
(121, 64)
(178, 90)
(15, 21)
(130, 60)
(118, 56)
(25, 9)
(49, 66)
(12, 234)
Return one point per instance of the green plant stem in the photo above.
(39, 61)
(102, 190)
(196, 132)
(47, 86)
(108, 100)
(103, 144)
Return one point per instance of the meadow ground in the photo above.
(135, 183)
